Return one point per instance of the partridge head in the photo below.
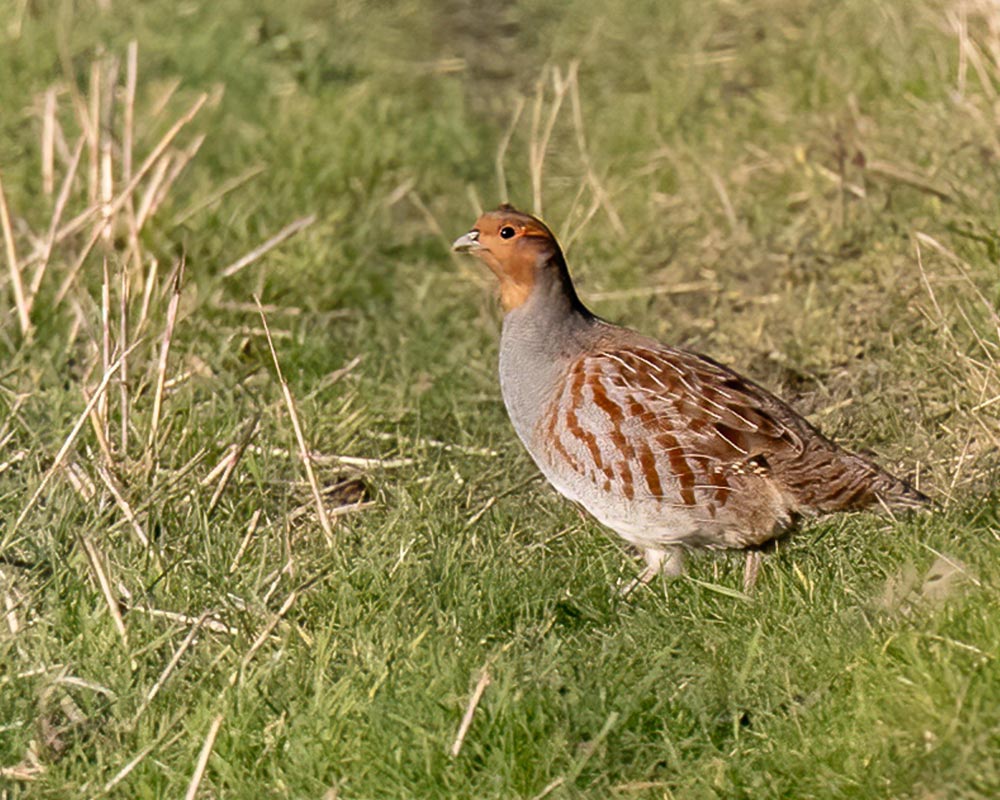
(523, 254)
(668, 448)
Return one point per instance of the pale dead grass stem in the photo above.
(538, 144)
(265, 634)
(168, 670)
(470, 710)
(67, 444)
(160, 104)
(906, 176)
(102, 405)
(347, 461)
(16, 457)
(473, 194)
(116, 204)
(123, 393)
(116, 492)
(20, 302)
(156, 180)
(203, 756)
(108, 76)
(97, 564)
(99, 431)
(29, 769)
(232, 458)
(128, 127)
(161, 368)
(502, 150)
(447, 447)
(247, 537)
(134, 762)
(588, 215)
(727, 204)
(980, 374)
(285, 233)
(206, 621)
(127, 148)
(155, 196)
(70, 277)
(93, 134)
(226, 187)
(147, 295)
(549, 788)
(48, 140)
(165, 739)
(602, 198)
(150, 161)
(339, 511)
(60, 206)
(545, 110)
(299, 436)
(969, 52)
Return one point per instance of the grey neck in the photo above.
(549, 323)
(540, 339)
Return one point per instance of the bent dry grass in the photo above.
(265, 528)
(132, 463)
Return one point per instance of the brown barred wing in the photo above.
(740, 421)
(644, 425)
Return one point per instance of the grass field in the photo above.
(808, 191)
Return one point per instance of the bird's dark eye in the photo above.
(506, 232)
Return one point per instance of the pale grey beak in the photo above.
(468, 243)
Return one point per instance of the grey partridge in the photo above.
(668, 448)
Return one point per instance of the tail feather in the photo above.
(851, 482)
(897, 494)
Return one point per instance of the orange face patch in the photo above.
(514, 246)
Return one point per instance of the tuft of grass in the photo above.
(264, 527)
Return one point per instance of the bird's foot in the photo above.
(669, 562)
(625, 588)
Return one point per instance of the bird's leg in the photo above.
(751, 568)
(669, 562)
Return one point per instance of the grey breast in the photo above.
(536, 349)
